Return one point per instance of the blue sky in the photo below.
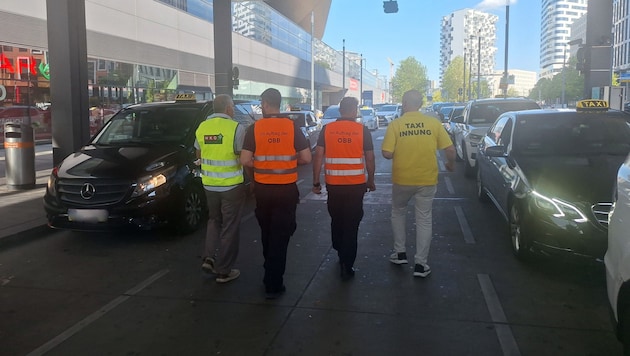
(415, 31)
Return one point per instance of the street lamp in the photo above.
(479, 65)
(470, 69)
(564, 75)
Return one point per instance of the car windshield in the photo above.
(570, 136)
(366, 112)
(487, 113)
(149, 125)
(332, 113)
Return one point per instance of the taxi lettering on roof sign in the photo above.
(592, 104)
(185, 97)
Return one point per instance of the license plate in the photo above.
(88, 215)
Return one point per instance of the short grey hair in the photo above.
(221, 103)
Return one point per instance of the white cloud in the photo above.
(494, 4)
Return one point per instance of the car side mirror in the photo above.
(495, 151)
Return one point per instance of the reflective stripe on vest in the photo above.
(275, 159)
(344, 163)
(220, 166)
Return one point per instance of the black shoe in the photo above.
(273, 293)
(421, 271)
(346, 272)
(398, 258)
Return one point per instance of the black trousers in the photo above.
(345, 206)
(275, 212)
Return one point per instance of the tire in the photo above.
(192, 209)
(520, 244)
(624, 330)
(481, 193)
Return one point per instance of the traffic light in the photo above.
(390, 7)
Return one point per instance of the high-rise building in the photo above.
(470, 34)
(555, 32)
(621, 40)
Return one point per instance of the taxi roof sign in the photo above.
(592, 105)
(185, 97)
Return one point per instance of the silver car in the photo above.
(370, 120)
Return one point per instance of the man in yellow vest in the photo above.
(274, 146)
(411, 141)
(219, 143)
(349, 151)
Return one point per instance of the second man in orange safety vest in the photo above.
(349, 154)
(274, 146)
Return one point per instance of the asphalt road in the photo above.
(69, 293)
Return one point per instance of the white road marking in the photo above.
(449, 185)
(463, 224)
(501, 326)
(96, 315)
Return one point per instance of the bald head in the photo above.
(412, 100)
(222, 103)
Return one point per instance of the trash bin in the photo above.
(19, 153)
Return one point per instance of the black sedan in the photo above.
(551, 174)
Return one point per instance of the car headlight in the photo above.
(558, 208)
(52, 182)
(150, 183)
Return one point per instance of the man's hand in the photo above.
(317, 189)
(450, 166)
(371, 186)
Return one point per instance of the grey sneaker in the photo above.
(208, 265)
(224, 278)
(398, 258)
(421, 271)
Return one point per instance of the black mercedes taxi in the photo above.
(551, 174)
(137, 171)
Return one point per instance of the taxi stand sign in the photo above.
(185, 97)
(592, 105)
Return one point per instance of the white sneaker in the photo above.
(421, 270)
(224, 278)
(208, 265)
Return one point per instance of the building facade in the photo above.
(149, 50)
(555, 32)
(470, 34)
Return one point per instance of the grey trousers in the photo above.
(223, 230)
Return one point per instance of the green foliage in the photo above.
(410, 74)
(549, 91)
(453, 80)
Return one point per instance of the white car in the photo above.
(476, 119)
(370, 120)
(388, 113)
(617, 258)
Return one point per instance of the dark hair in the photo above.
(348, 105)
(272, 97)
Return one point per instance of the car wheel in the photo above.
(520, 245)
(481, 193)
(469, 171)
(624, 330)
(192, 209)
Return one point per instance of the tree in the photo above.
(410, 74)
(549, 91)
(453, 80)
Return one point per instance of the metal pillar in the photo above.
(68, 79)
(222, 18)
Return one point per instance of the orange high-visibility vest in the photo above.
(275, 159)
(344, 163)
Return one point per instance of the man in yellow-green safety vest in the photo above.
(219, 140)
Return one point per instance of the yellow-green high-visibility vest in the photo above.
(220, 166)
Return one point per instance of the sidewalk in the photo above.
(22, 210)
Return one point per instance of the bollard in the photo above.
(19, 152)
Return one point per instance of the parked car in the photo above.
(370, 120)
(137, 171)
(331, 114)
(388, 113)
(307, 123)
(476, 118)
(448, 123)
(550, 173)
(617, 258)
